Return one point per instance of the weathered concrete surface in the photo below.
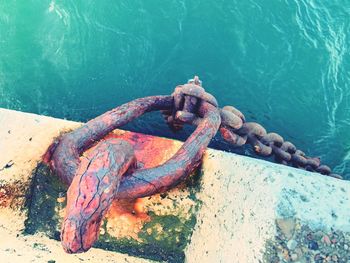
(240, 210)
(24, 138)
(157, 227)
(257, 211)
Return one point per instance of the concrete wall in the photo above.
(234, 209)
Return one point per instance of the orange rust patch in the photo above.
(150, 151)
(126, 218)
(12, 195)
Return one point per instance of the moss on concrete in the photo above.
(163, 238)
(42, 202)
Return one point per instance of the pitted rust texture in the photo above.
(92, 191)
(65, 158)
(87, 198)
(237, 132)
(12, 194)
(146, 182)
(103, 174)
(66, 151)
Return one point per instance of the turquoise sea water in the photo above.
(285, 64)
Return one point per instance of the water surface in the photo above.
(285, 64)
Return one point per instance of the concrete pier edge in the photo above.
(245, 210)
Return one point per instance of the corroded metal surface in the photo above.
(87, 198)
(110, 171)
(158, 227)
(67, 150)
(229, 186)
(92, 191)
(145, 182)
(235, 130)
(65, 158)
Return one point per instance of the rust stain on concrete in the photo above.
(126, 218)
(12, 195)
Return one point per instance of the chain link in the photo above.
(235, 130)
(189, 104)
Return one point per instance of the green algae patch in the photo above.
(167, 234)
(42, 203)
(164, 238)
(172, 217)
(167, 231)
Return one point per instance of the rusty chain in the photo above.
(103, 174)
(110, 170)
(235, 130)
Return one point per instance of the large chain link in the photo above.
(92, 189)
(235, 130)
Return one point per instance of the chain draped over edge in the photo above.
(110, 170)
(235, 130)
